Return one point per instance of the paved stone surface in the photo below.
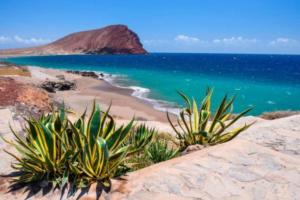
(281, 135)
(262, 163)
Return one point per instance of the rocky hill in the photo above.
(114, 39)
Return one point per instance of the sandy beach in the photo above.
(124, 106)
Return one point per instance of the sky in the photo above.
(191, 26)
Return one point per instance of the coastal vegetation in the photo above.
(77, 153)
(199, 125)
(159, 151)
(94, 149)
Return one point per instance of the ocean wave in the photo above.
(142, 93)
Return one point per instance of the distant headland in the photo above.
(114, 39)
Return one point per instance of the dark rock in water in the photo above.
(89, 74)
(86, 73)
(52, 86)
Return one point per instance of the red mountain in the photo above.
(114, 39)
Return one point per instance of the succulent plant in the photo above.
(199, 125)
(140, 137)
(80, 153)
(44, 152)
(159, 151)
(99, 146)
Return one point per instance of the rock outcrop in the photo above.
(87, 74)
(53, 86)
(114, 39)
(14, 93)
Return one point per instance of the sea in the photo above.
(265, 82)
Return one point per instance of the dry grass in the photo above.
(7, 69)
(172, 140)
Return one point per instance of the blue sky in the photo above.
(205, 26)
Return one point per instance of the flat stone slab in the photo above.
(253, 166)
(281, 135)
(236, 170)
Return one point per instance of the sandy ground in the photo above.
(124, 106)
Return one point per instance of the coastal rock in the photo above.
(86, 73)
(114, 39)
(248, 167)
(52, 86)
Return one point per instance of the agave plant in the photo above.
(99, 147)
(198, 125)
(80, 153)
(44, 152)
(159, 151)
(140, 137)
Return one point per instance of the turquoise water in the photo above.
(267, 82)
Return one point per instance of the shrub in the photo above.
(159, 151)
(61, 152)
(137, 161)
(194, 126)
(140, 137)
(98, 147)
(44, 152)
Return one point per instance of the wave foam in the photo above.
(143, 93)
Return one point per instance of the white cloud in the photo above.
(30, 40)
(235, 40)
(4, 39)
(238, 41)
(284, 41)
(155, 42)
(185, 38)
(184, 43)
(24, 41)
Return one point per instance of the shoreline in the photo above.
(108, 85)
(140, 93)
(137, 92)
(148, 109)
(124, 105)
(275, 95)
